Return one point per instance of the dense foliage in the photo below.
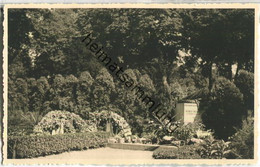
(186, 132)
(208, 149)
(122, 128)
(68, 122)
(170, 53)
(245, 82)
(41, 145)
(214, 149)
(242, 142)
(224, 110)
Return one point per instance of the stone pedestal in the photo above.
(186, 112)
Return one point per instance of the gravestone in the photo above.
(186, 111)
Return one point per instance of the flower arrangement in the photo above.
(58, 122)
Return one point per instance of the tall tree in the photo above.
(54, 32)
(219, 36)
(19, 28)
(136, 37)
(103, 90)
(84, 90)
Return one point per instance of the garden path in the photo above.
(102, 153)
(100, 156)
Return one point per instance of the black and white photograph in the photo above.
(130, 85)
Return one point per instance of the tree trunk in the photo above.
(14, 151)
(210, 78)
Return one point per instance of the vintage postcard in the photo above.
(130, 84)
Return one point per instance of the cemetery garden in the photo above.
(199, 64)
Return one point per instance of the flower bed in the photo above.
(184, 152)
(34, 146)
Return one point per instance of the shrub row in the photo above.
(34, 146)
(184, 152)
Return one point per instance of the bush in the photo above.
(214, 149)
(22, 123)
(40, 145)
(186, 132)
(224, 110)
(184, 152)
(245, 83)
(165, 154)
(56, 119)
(116, 119)
(242, 142)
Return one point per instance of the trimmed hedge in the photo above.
(184, 152)
(34, 146)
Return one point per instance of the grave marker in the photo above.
(186, 111)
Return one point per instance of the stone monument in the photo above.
(186, 111)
